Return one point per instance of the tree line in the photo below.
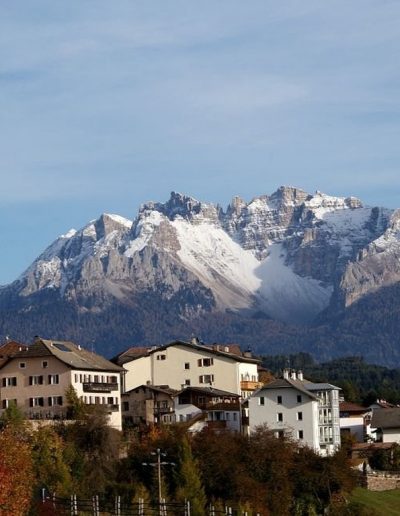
(259, 473)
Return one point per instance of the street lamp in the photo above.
(158, 465)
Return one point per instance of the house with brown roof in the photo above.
(36, 379)
(191, 364)
(220, 409)
(355, 420)
(148, 404)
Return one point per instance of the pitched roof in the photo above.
(72, 355)
(347, 406)
(165, 389)
(8, 349)
(135, 353)
(283, 383)
(210, 391)
(386, 418)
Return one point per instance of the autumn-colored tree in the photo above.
(269, 460)
(189, 482)
(16, 474)
(51, 469)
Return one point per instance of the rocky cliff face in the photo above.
(288, 255)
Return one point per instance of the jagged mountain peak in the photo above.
(180, 205)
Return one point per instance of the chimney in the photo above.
(293, 375)
(286, 374)
(248, 353)
(300, 375)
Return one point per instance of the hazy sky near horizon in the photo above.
(105, 105)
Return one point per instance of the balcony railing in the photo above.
(99, 387)
(250, 385)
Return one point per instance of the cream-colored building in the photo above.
(37, 377)
(181, 364)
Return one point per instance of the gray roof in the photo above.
(320, 386)
(69, 353)
(386, 418)
(282, 383)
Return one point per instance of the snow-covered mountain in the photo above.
(289, 255)
(282, 273)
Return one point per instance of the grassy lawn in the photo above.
(383, 502)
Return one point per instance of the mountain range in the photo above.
(290, 271)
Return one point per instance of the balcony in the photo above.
(99, 387)
(250, 385)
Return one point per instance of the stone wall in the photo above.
(381, 481)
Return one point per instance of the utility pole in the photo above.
(158, 465)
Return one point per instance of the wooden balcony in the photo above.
(250, 385)
(99, 387)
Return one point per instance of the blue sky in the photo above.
(105, 105)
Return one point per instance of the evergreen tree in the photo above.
(190, 486)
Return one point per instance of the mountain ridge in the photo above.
(290, 256)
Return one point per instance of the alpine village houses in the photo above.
(192, 383)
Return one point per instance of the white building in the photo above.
(37, 377)
(355, 420)
(181, 364)
(308, 412)
(386, 422)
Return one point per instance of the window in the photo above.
(7, 403)
(300, 434)
(10, 381)
(22, 365)
(54, 379)
(187, 382)
(299, 416)
(45, 363)
(161, 357)
(206, 378)
(205, 362)
(125, 406)
(36, 380)
(36, 402)
(279, 400)
(299, 398)
(279, 417)
(280, 434)
(261, 400)
(234, 416)
(187, 365)
(54, 401)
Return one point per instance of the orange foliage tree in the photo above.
(16, 474)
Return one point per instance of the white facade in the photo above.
(181, 364)
(309, 413)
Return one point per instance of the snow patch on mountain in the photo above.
(144, 230)
(219, 262)
(286, 295)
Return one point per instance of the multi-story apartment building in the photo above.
(181, 364)
(308, 412)
(37, 377)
